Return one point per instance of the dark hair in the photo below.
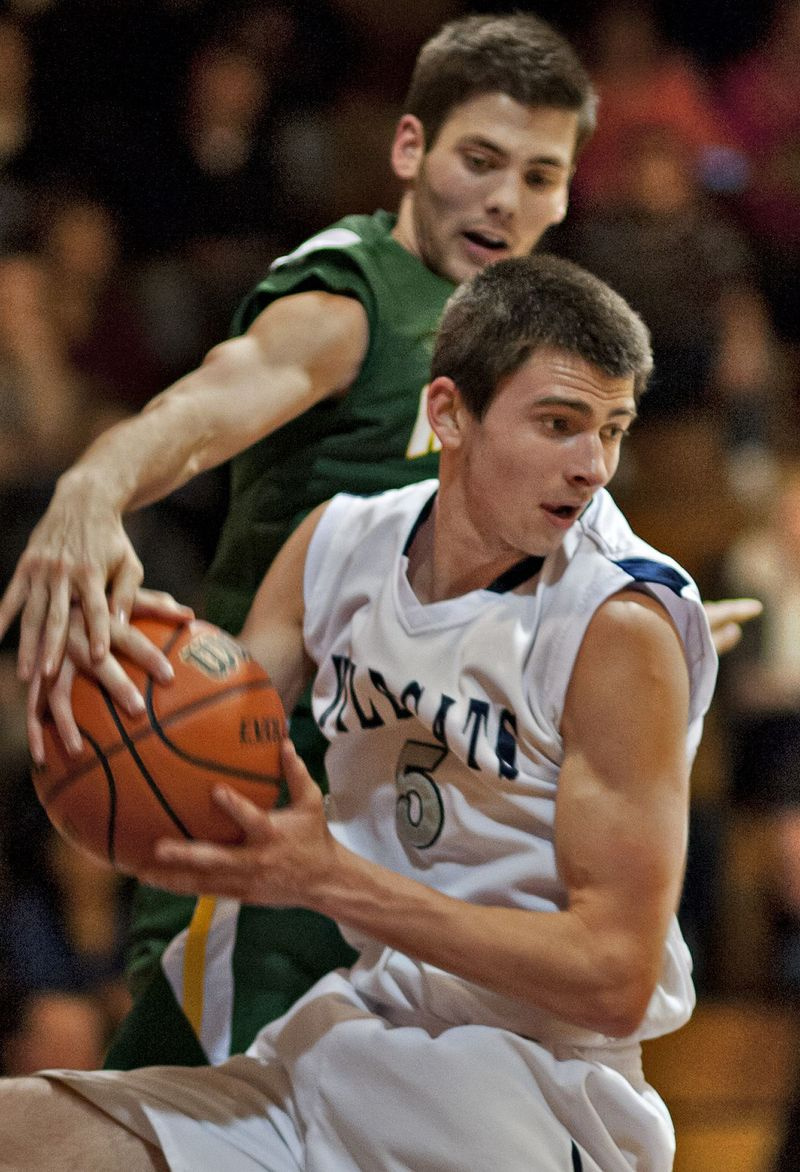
(495, 322)
(516, 54)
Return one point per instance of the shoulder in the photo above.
(635, 625)
(607, 590)
(335, 260)
(630, 666)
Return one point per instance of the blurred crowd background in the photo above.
(157, 155)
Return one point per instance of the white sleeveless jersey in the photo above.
(444, 728)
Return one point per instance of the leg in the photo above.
(44, 1125)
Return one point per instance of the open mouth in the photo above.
(492, 243)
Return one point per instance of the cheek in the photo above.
(543, 210)
(450, 189)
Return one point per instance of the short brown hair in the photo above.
(517, 54)
(495, 322)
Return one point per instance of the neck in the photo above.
(440, 568)
(403, 231)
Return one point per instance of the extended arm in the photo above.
(298, 351)
(620, 836)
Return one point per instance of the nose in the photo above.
(592, 465)
(505, 198)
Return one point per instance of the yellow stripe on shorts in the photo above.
(194, 961)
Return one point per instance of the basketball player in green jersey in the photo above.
(325, 377)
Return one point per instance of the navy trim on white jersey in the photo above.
(644, 570)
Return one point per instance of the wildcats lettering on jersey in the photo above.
(374, 705)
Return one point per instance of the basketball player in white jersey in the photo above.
(513, 687)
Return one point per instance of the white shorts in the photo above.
(336, 1088)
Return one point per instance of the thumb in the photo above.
(299, 781)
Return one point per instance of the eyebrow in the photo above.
(582, 407)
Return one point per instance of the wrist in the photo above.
(90, 488)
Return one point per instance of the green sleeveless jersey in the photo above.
(373, 437)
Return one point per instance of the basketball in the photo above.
(142, 778)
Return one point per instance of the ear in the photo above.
(446, 412)
(408, 148)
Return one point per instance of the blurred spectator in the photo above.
(102, 327)
(643, 80)
(61, 932)
(214, 212)
(41, 424)
(760, 96)
(52, 401)
(761, 693)
(17, 122)
(61, 922)
(685, 266)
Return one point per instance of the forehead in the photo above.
(558, 379)
(497, 117)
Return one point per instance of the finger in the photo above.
(254, 821)
(119, 685)
(160, 604)
(12, 602)
(109, 672)
(736, 610)
(59, 701)
(97, 616)
(33, 720)
(33, 617)
(298, 779)
(126, 582)
(204, 856)
(725, 638)
(135, 646)
(55, 628)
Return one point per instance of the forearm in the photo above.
(183, 431)
(297, 353)
(580, 967)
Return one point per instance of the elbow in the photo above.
(618, 1003)
(620, 1015)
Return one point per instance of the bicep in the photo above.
(300, 350)
(273, 629)
(622, 807)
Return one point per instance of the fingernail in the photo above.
(135, 705)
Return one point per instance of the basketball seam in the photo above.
(158, 728)
(229, 770)
(112, 799)
(153, 785)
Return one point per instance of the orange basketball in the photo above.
(151, 776)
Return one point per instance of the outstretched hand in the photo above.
(78, 553)
(726, 618)
(286, 859)
(125, 640)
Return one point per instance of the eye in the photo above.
(477, 162)
(557, 425)
(614, 432)
(540, 178)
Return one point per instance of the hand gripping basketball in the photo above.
(141, 778)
